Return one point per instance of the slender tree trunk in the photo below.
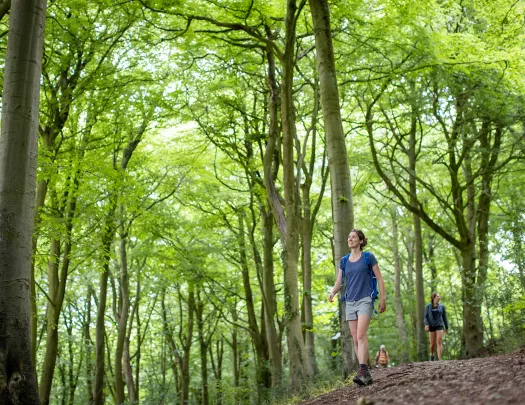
(57, 280)
(41, 192)
(270, 173)
(400, 321)
(128, 371)
(186, 342)
(100, 348)
(307, 282)
(430, 257)
(217, 368)
(122, 320)
(18, 153)
(342, 207)
(270, 307)
(422, 352)
(203, 347)
(88, 346)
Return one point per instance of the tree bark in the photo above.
(400, 320)
(88, 345)
(122, 320)
(422, 351)
(203, 348)
(18, 153)
(186, 341)
(341, 187)
(299, 368)
(5, 6)
(270, 303)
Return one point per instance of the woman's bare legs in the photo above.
(359, 331)
(432, 336)
(439, 342)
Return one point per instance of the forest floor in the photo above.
(481, 381)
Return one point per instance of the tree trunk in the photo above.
(203, 347)
(57, 281)
(108, 235)
(341, 187)
(88, 346)
(186, 347)
(18, 153)
(100, 348)
(122, 320)
(270, 172)
(410, 247)
(400, 321)
(299, 368)
(270, 303)
(422, 352)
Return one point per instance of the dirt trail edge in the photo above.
(490, 380)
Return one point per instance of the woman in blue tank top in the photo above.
(357, 275)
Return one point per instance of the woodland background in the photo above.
(161, 270)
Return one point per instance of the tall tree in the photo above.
(18, 152)
(341, 186)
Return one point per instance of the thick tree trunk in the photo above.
(472, 323)
(299, 368)
(400, 320)
(341, 187)
(18, 153)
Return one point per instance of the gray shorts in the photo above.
(355, 309)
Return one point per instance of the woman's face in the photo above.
(437, 298)
(353, 240)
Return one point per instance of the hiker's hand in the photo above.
(427, 328)
(331, 297)
(446, 331)
(382, 306)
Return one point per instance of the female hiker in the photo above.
(435, 321)
(355, 274)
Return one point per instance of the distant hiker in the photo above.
(360, 276)
(435, 321)
(382, 359)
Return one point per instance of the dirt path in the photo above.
(493, 380)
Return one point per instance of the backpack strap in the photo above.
(368, 262)
(345, 280)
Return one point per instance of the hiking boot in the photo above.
(363, 377)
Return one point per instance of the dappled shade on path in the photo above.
(491, 380)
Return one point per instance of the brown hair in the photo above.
(361, 236)
(432, 296)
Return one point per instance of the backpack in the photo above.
(373, 279)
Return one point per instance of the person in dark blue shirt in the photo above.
(435, 321)
(358, 300)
